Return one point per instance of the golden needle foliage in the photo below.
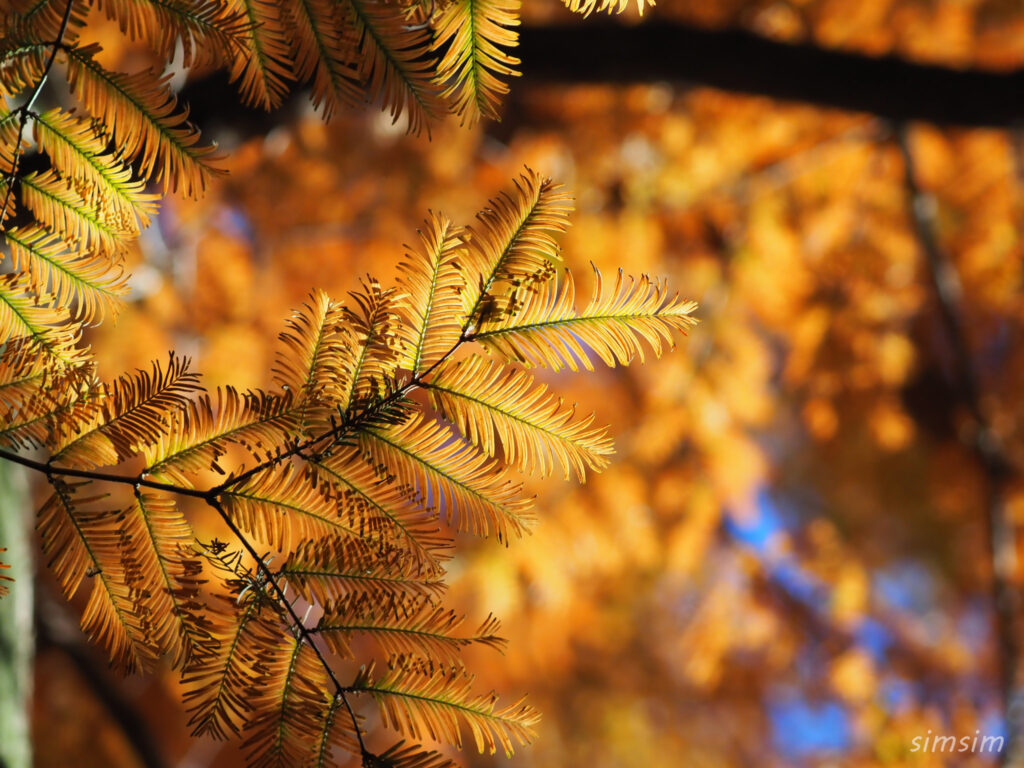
(339, 489)
(641, 620)
(74, 221)
(340, 476)
(343, 475)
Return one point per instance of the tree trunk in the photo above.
(16, 640)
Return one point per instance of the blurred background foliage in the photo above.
(789, 561)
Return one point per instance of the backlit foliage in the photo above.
(341, 488)
(69, 226)
(646, 618)
(653, 616)
(338, 492)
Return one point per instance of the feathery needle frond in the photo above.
(512, 246)
(144, 119)
(473, 34)
(402, 627)
(79, 151)
(587, 7)
(324, 50)
(30, 324)
(83, 280)
(547, 329)
(401, 755)
(80, 540)
(431, 281)
(200, 434)
(123, 417)
(294, 705)
(395, 62)
(456, 481)
(327, 572)
(388, 510)
(209, 31)
(59, 207)
(283, 506)
(225, 687)
(263, 70)
(421, 702)
(493, 404)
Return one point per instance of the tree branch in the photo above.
(58, 630)
(737, 60)
(305, 635)
(212, 497)
(26, 109)
(729, 59)
(984, 443)
(85, 474)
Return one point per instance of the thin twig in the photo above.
(304, 633)
(337, 433)
(26, 109)
(212, 496)
(983, 442)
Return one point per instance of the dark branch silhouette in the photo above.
(984, 444)
(736, 60)
(729, 59)
(54, 628)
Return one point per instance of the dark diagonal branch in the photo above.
(54, 470)
(25, 109)
(59, 631)
(305, 636)
(983, 443)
